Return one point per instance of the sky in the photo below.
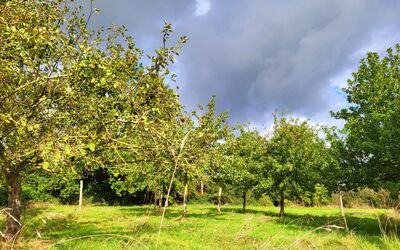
(261, 56)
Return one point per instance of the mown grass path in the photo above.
(135, 227)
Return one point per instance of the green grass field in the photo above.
(135, 227)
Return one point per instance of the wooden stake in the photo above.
(202, 188)
(219, 200)
(80, 194)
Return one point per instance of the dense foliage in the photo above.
(73, 101)
(245, 159)
(370, 148)
(297, 159)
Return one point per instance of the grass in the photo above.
(135, 227)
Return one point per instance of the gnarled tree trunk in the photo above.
(13, 225)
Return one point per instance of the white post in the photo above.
(80, 194)
(342, 211)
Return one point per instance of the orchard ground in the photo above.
(48, 226)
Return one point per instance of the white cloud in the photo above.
(202, 7)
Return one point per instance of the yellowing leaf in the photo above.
(46, 165)
(73, 170)
(92, 146)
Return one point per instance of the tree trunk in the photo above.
(155, 200)
(244, 201)
(185, 193)
(146, 199)
(282, 203)
(13, 225)
(219, 200)
(160, 200)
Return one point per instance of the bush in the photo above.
(320, 196)
(306, 199)
(203, 199)
(393, 188)
(265, 201)
(365, 197)
(384, 198)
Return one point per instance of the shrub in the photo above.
(365, 197)
(320, 196)
(265, 201)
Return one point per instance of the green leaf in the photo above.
(46, 165)
(92, 146)
(67, 150)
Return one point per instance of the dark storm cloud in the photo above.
(258, 56)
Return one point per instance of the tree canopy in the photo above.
(245, 157)
(372, 122)
(297, 157)
(74, 98)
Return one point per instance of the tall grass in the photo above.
(136, 227)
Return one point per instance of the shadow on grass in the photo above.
(173, 212)
(69, 226)
(366, 227)
(67, 230)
